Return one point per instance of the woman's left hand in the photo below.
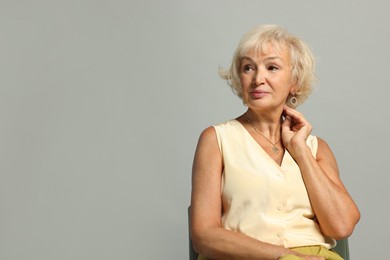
(295, 129)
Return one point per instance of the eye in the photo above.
(247, 68)
(272, 67)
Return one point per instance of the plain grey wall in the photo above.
(102, 102)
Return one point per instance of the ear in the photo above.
(293, 90)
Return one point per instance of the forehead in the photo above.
(266, 50)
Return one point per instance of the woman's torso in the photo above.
(261, 198)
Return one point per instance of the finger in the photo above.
(297, 125)
(297, 118)
(292, 112)
(287, 122)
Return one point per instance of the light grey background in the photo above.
(102, 102)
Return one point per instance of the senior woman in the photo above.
(263, 187)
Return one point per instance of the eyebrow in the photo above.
(268, 58)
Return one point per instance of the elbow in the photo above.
(199, 242)
(204, 240)
(344, 229)
(338, 233)
(195, 242)
(341, 233)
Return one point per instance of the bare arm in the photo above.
(335, 210)
(208, 236)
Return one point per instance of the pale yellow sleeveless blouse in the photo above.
(262, 199)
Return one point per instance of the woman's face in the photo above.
(265, 78)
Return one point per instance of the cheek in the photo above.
(245, 81)
(287, 80)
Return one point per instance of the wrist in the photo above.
(299, 150)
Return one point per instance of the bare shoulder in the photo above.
(324, 151)
(208, 142)
(208, 134)
(327, 160)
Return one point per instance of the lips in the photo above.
(258, 93)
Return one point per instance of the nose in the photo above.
(259, 78)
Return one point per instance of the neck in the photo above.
(268, 124)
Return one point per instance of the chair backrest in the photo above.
(342, 247)
(193, 253)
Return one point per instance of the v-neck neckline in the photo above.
(285, 154)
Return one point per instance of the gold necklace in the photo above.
(274, 148)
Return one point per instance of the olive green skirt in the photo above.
(306, 250)
(313, 250)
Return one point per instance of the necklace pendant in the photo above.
(275, 149)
